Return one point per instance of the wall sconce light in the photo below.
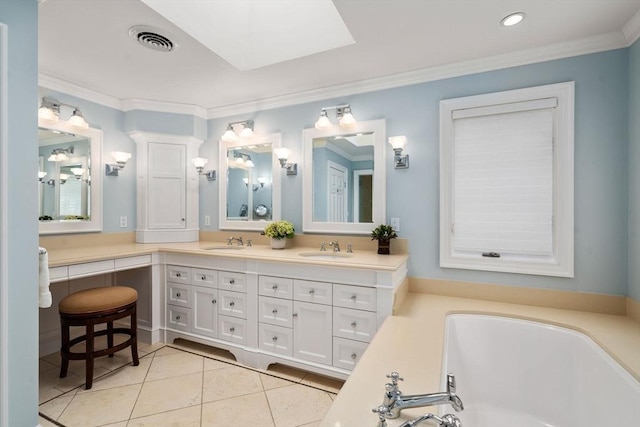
(50, 111)
(77, 172)
(236, 130)
(41, 175)
(60, 154)
(262, 181)
(283, 154)
(121, 159)
(398, 143)
(52, 182)
(200, 163)
(343, 114)
(63, 178)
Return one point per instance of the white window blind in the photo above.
(503, 179)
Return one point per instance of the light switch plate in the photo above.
(395, 224)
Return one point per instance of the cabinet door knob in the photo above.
(274, 339)
(231, 304)
(177, 317)
(178, 295)
(232, 329)
(311, 291)
(231, 282)
(353, 324)
(214, 301)
(274, 287)
(274, 311)
(353, 356)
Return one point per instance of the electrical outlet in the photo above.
(123, 222)
(207, 220)
(395, 224)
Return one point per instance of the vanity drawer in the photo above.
(275, 339)
(91, 268)
(206, 278)
(179, 294)
(176, 273)
(354, 324)
(58, 274)
(309, 291)
(232, 304)
(132, 262)
(236, 282)
(358, 297)
(178, 318)
(275, 287)
(347, 353)
(232, 329)
(275, 311)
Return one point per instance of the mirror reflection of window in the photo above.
(342, 178)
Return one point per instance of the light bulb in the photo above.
(323, 121)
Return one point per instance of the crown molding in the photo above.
(78, 91)
(599, 43)
(631, 29)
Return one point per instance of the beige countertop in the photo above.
(411, 343)
(359, 259)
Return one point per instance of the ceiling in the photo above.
(84, 46)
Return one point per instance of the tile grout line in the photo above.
(142, 385)
(266, 397)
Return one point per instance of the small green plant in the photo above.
(279, 230)
(383, 232)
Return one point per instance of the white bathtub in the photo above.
(516, 373)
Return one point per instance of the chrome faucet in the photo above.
(448, 420)
(395, 401)
(322, 246)
(237, 239)
(336, 246)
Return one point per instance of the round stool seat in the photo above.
(97, 299)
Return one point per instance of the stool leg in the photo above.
(64, 349)
(134, 337)
(89, 355)
(110, 336)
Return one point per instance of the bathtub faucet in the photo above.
(448, 420)
(395, 401)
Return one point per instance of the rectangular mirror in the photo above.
(70, 194)
(344, 178)
(249, 183)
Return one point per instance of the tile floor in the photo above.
(182, 385)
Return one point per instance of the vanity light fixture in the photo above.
(199, 163)
(283, 153)
(63, 178)
(60, 154)
(398, 143)
(512, 19)
(121, 159)
(41, 175)
(343, 114)
(50, 111)
(236, 130)
(243, 159)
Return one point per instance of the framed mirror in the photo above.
(249, 183)
(344, 179)
(70, 183)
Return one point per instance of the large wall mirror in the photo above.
(344, 187)
(249, 183)
(70, 183)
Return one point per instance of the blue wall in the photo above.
(634, 171)
(21, 212)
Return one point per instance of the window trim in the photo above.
(561, 264)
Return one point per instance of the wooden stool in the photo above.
(89, 308)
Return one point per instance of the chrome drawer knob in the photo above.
(311, 291)
(232, 329)
(231, 304)
(204, 278)
(274, 287)
(231, 282)
(353, 356)
(353, 297)
(214, 301)
(178, 275)
(353, 324)
(274, 339)
(178, 295)
(274, 311)
(177, 317)
(295, 314)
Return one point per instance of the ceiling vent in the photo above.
(152, 38)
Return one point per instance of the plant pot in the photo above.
(383, 247)
(278, 243)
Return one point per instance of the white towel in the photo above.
(44, 299)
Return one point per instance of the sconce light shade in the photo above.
(77, 119)
(347, 118)
(245, 128)
(323, 121)
(199, 163)
(77, 172)
(262, 181)
(343, 114)
(283, 153)
(41, 175)
(121, 159)
(229, 135)
(398, 143)
(246, 132)
(46, 113)
(63, 178)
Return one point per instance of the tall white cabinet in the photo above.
(167, 188)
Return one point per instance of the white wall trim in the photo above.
(4, 227)
(594, 44)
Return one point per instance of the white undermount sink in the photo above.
(224, 248)
(325, 255)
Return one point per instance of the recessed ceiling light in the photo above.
(512, 19)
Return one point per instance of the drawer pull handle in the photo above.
(213, 301)
(232, 329)
(274, 339)
(274, 287)
(353, 356)
(311, 291)
(274, 311)
(177, 317)
(232, 281)
(353, 324)
(178, 275)
(178, 295)
(353, 297)
(231, 304)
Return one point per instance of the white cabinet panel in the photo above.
(236, 282)
(205, 311)
(178, 294)
(203, 277)
(347, 353)
(232, 329)
(178, 318)
(312, 332)
(232, 304)
(176, 273)
(278, 287)
(276, 339)
(354, 324)
(358, 297)
(310, 291)
(167, 186)
(275, 311)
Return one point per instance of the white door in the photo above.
(167, 186)
(205, 311)
(312, 329)
(337, 192)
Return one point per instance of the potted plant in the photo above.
(278, 231)
(383, 234)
